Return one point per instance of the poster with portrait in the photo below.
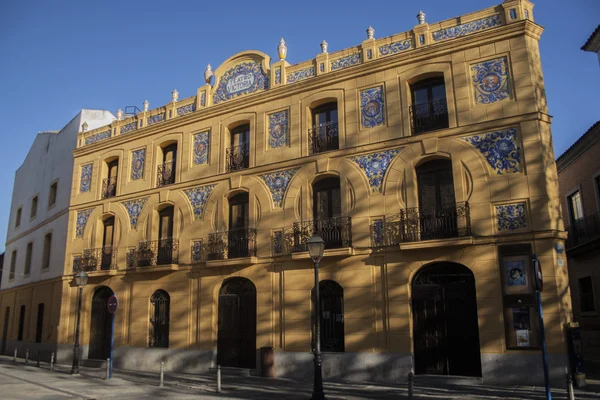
(521, 318)
(516, 272)
(523, 338)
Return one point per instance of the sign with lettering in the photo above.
(244, 78)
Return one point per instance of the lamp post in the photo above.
(81, 279)
(316, 246)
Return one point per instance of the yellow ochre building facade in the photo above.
(424, 160)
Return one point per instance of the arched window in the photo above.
(166, 244)
(166, 170)
(332, 316)
(327, 212)
(238, 153)
(107, 243)
(429, 110)
(109, 184)
(324, 134)
(159, 321)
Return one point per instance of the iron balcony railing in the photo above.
(237, 157)
(99, 259)
(165, 174)
(109, 187)
(583, 231)
(236, 243)
(429, 116)
(414, 224)
(336, 232)
(152, 253)
(323, 137)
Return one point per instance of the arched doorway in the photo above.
(101, 325)
(332, 316)
(445, 327)
(159, 322)
(236, 345)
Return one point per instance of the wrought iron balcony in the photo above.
(152, 253)
(413, 225)
(236, 243)
(99, 259)
(109, 187)
(584, 231)
(323, 137)
(336, 232)
(237, 157)
(429, 116)
(166, 174)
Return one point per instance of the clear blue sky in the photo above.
(57, 57)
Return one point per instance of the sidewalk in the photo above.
(19, 381)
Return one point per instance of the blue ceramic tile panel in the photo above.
(278, 182)
(134, 209)
(301, 75)
(86, 178)
(198, 197)
(394, 48)
(513, 13)
(201, 147)
(278, 76)
(97, 137)
(377, 233)
(491, 81)
(375, 166)
(242, 79)
(190, 108)
(138, 161)
(372, 107)
(511, 217)
(203, 99)
(129, 127)
(500, 148)
(278, 129)
(196, 250)
(516, 273)
(82, 218)
(345, 62)
(155, 119)
(469, 27)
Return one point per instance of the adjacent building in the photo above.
(32, 274)
(423, 159)
(593, 43)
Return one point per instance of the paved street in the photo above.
(20, 381)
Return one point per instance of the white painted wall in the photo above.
(50, 159)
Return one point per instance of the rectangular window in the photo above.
(587, 303)
(597, 184)
(575, 207)
(33, 211)
(47, 245)
(40, 323)
(28, 258)
(18, 217)
(13, 265)
(52, 194)
(21, 323)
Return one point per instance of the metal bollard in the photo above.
(52, 362)
(38, 360)
(162, 375)
(411, 380)
(15, 356)
(218, 379)
(570, 392)
(26, 356)
(107, 369)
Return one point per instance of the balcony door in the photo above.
(238, 226)
(327, 212)
(429, 107)
(437, 204)
(166, 171)
(165, 236)
(239, 152)
(110, 184)
(107, 243)
(324, 135)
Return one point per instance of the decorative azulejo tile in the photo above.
(394, 48)
(278, 75)
(301, 75)
(198, 197)
(490, 81)
(203, 99)
(86, 178)
(345, 62)
(469, 27)
(500, 148)
(511, 216)
(82, 218)
(134, 209)
(201, 146)
(278, 183)
(277, 242)
(129, 127)
(138, 161)
(377, 233)
(278, 129)
(155, 119)
(186, 109)
(242, 79)
(197, 250)
(97, 137)
(372, 107)
(375, 166)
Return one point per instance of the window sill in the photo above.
(342, 252)
(231, 262)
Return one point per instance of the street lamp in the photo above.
(316, 246)
(81, 279)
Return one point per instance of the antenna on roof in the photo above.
(131, 111)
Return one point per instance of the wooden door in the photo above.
(238, 226)
(5, 330)
(437, 204)
(165, 236)
(107, 243)
(327, 210)
(101, 325)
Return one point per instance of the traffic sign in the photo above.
(112, 304)
(539, 278)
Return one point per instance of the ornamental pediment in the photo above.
(244, 73)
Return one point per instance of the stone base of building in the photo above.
(190, 361)
(63, 353)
